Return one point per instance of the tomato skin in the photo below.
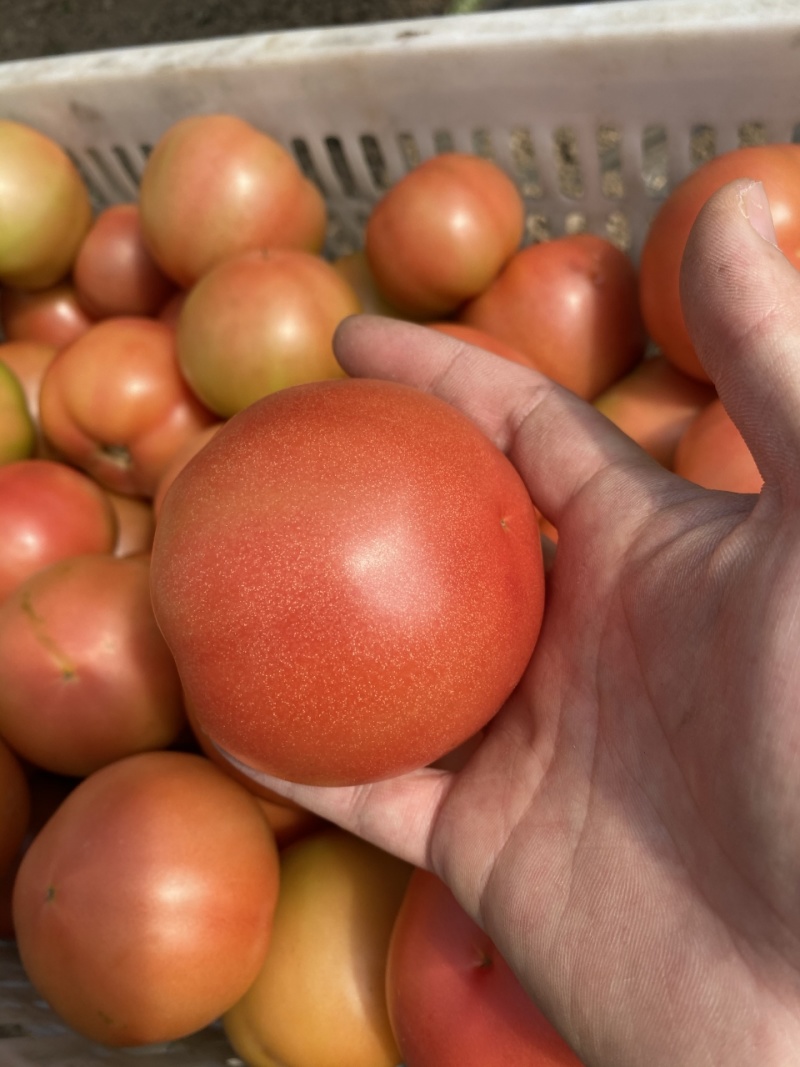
(46, 208)
(713, 453)
(441, 234)
(17, 431)
(320, 998)
(85, 675)
(453, 1000)
(48, 512)
(324, 626)
(50, 316)
(473, 336)
(115, 404)
(778, 167)
(143, 908)
(261, 322)
(215, 186)
(114, 273)
(654, 404)
(571, 307)
(15, 805)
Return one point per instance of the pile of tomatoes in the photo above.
(151, 887)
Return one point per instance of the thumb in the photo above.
(741, 301)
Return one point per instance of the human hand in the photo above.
(625, 832)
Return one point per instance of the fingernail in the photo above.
(756, 209)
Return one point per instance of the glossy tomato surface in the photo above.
(453, 1000)
(350, 577)
(441, 234)
(778, 167)
(571, 307)
(320, 1000)
(85, 675)
(215, 186)
(143, 908)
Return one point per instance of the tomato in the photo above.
(114, 273)
(115, 404)
(215, 186)
(453, 1000)
(143, 908)
(85, 675)
(261, 322)
(713, 453)
(179, 461)
(45, 208)
(331, 568)
(50, 316)
(17, 432)
(571, 307)
(654, 403)
(471, 335)
(319, 1000)
(778, 167)
(441, 234)
(48, 512)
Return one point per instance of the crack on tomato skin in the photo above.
(63, 662)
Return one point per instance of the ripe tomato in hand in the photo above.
(778, 167)
(571, 307)
(350, 578)
(441, 234)
(143, 909)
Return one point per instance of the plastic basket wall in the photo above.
(597, 110)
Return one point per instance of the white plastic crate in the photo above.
(597, 110)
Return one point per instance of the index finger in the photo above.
(556, 440)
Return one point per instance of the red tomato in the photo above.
(320, 1000)
(453, 1000)
(653, 404)
(441, 234)
(46, 208)
(329, 572)
(473, 336)
(48, 512)
(179, 461)
(115, 404)
(778, 167)
(49, 316)
(261, 322)
(85, 675)
(215, 186)
(143, 908)
(571, 307)
(114, 273)
(713, 453)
